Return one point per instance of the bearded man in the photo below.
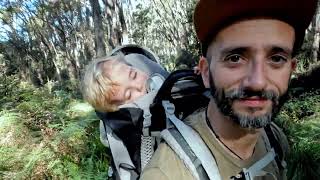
(249, 50)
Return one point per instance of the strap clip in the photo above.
(168, 107)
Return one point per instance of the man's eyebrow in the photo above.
(277, 49)
(234, 50)
(241, 50)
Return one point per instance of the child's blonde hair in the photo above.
(97, 88)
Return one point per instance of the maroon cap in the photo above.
(210, 16)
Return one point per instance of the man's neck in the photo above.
(239, 140)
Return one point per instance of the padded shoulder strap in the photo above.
(176, 141)
(194, 141)
(275, 144)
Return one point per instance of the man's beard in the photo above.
(225, 99)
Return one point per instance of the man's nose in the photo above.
(256, 78)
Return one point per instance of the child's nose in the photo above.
(137, 85)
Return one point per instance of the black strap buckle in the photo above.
(239, 176)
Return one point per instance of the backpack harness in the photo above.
(132, 133)
(184, 141)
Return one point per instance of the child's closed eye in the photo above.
(132, 74)
(127, 95)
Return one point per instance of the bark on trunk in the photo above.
(100, 46)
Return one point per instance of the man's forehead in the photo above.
(270, 33)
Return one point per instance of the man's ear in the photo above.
(204, 70)
(294, 64)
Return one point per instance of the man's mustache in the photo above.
(237, 94)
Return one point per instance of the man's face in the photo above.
(250, 69)
(130, 82)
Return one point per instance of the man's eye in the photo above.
(233, 58)
(277, 59)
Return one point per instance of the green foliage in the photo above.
(142, 20)
(8, 88)
(300, 119)
(186, 60)
(47, 134)
(303, 106)
(304, 162)
(70, 88)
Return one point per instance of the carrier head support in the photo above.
(141, 58)
(98, 85)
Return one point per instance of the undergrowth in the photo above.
(300, 119)
(47, 134)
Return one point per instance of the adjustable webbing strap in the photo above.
(257, 168)
(146, 150)
(195, 142)
(172, 142)
(175, 140)
(274, 143)
(147, 140)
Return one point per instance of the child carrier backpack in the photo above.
(134, 131)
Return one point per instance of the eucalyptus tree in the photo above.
(165, 26)
(54, 40)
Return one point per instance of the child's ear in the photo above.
(204, 70)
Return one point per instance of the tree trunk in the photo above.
(100, 46)
(116, 24)
(316, 37)
(307, 80)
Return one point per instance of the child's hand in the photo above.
(196, 70)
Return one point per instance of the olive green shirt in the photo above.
(166, 165)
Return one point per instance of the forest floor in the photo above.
(52, 134)
(49, 134)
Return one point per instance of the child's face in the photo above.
(130, 82)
